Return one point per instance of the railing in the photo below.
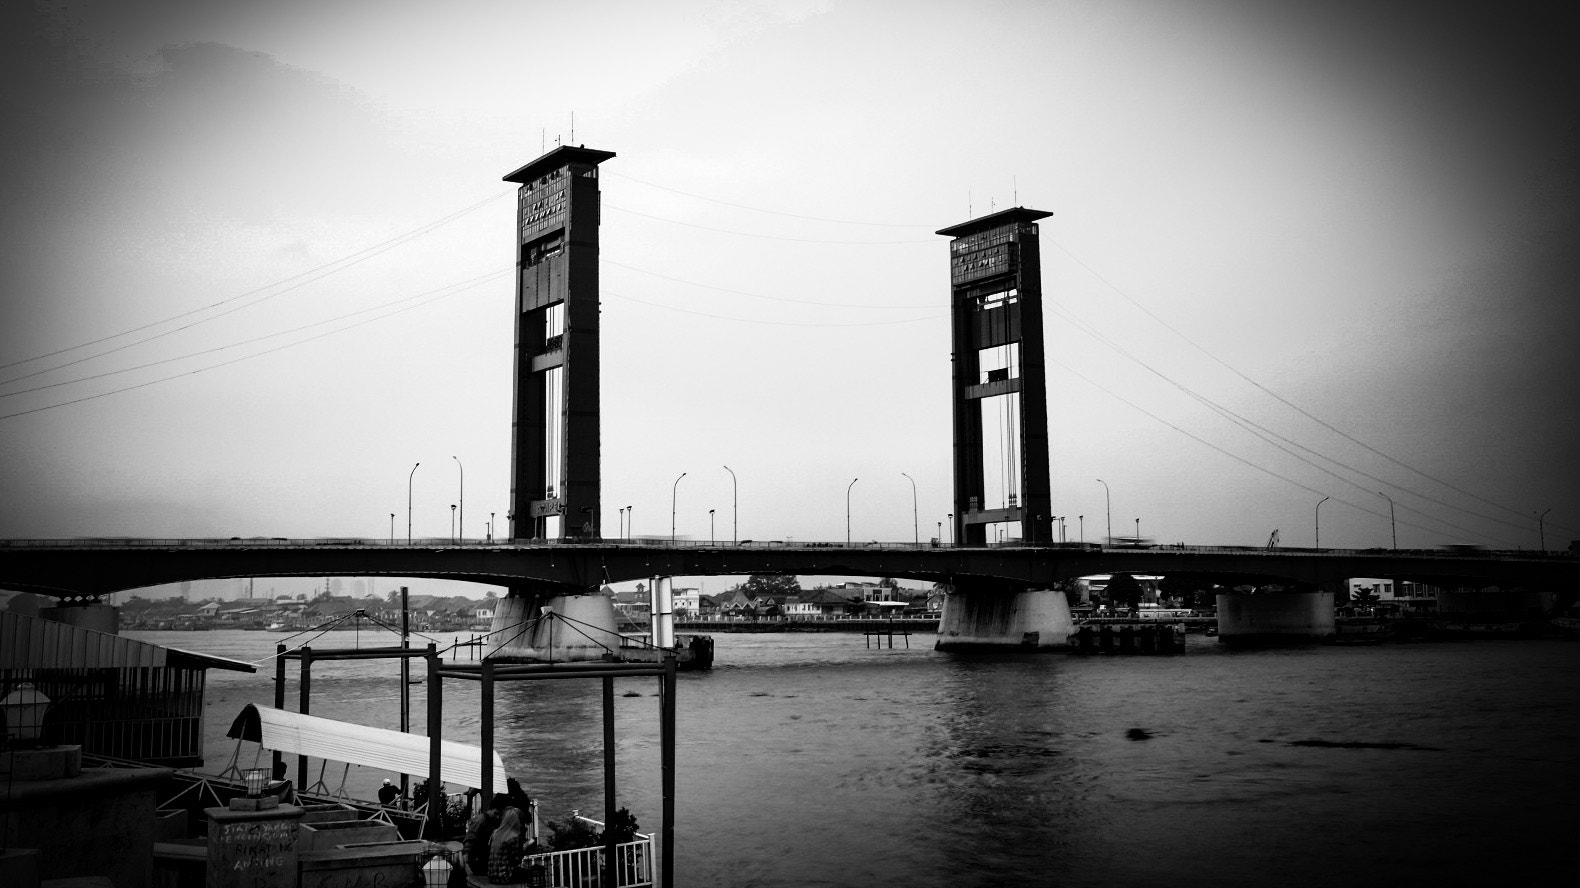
(667, 543)
(584, 866)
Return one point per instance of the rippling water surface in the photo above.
(812, 760)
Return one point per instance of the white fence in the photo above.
(583, 867)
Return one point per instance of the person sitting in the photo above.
(388, 793)
(505, 850)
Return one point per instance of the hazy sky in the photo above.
(238, 299)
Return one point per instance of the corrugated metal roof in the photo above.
(34, 643)
(293, 733)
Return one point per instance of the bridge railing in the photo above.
(680, 543)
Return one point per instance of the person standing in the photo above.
(388, 793)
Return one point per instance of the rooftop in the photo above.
(992, 220)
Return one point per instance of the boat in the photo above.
(1482, 628)
(692, 652)
(277, 626)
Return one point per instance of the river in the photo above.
(813, 760)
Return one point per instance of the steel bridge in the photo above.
(94, 567)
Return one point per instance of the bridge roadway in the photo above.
(94, 567)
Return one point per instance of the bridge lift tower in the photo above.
(1000, 389)
(554, 475)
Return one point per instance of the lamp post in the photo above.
(735, 508)
(951, 528)
(408, 502)
(630, 522)
(1138, 533)
(674, 491)
(711, 535)
(452, 523)
(622, 522)
(1108, 501)
(461, 519)
(1319, 521)
(1082, 519)
(490, 527)
(1541, 532)
(916, 533)
(1392, 526)
(940, 538)
(847, 509)
(392, 528)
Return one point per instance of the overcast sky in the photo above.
(255, 253)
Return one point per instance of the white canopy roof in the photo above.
(293, 733)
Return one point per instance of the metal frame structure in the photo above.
(995, 276)
(488, 672)
(555, 478)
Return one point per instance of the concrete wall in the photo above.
(1275, 617)
(98, 823)
(98, 617)
(586, 633)
(1029, 619)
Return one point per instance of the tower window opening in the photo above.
(999, 362)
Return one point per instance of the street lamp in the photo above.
(490, 527)
(392, 528)
(674, 491)
(461, 520)
(940, 538)
(1319, 521)
(1082, 519)
(1393, 527)
(1110, 504)
(847, 509)
(735, 507)
(916, 533)
(1541, 532)
(408, 502)
(951, 528)
(622, 522)
(711, 535)
(452, 523)
(630, 522)
(1138, 532)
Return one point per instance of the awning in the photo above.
(293, 733)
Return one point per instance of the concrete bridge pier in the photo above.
(548, 622)
(1270, 618)
(985, 618)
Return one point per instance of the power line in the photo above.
(239, 359)
(1281, 399)
(481, 279)
(327, 269)
(1268, 435)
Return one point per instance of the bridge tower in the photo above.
(555, 482)
(554, 475)
(1000, 390)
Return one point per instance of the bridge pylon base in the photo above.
(1036, 619)
(1262, 619)
(552, 624)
